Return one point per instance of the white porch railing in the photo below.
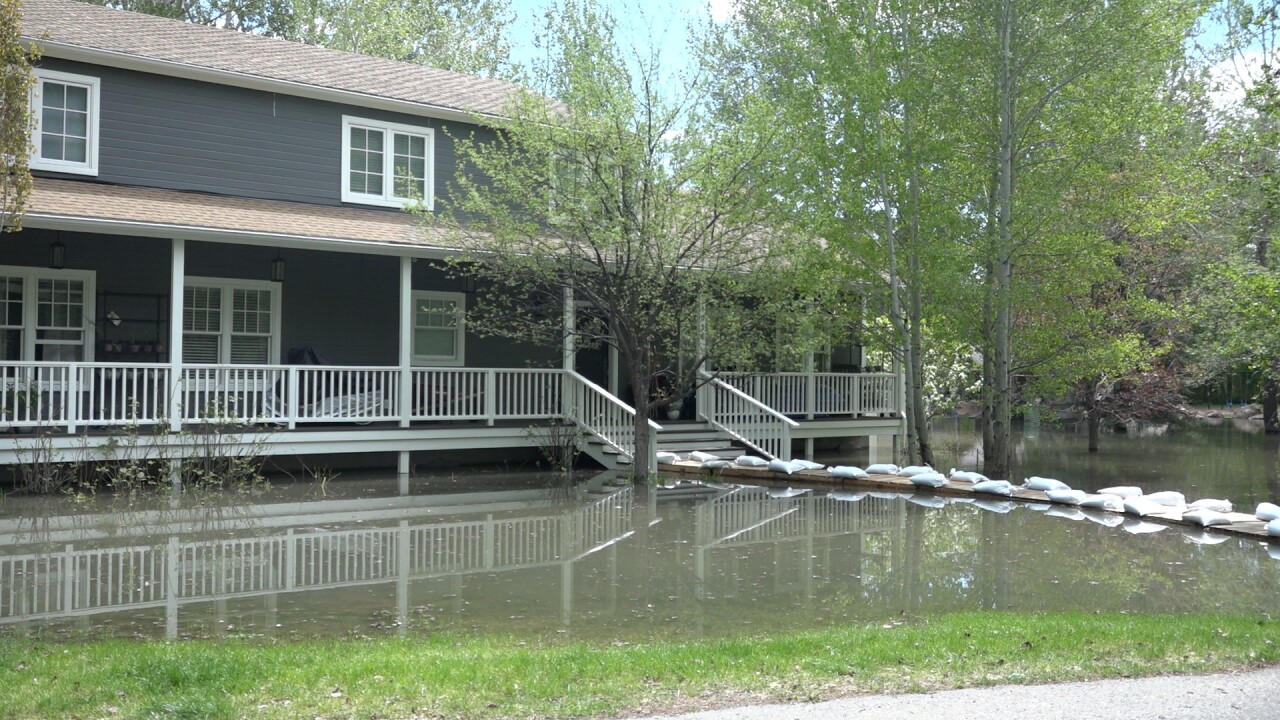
(745, 418)
(598, 412)
(812, 394)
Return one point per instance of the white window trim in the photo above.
(30, 276)
(90, 166)
(460, 332)
(224, 332)
(386, 199)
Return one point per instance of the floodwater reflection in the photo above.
(614, 563)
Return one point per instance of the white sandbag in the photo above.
(668, 458)
(912, 470)
(784, 466)
(995, 506)
(1044, 484)
(928, 479)
(929, 501)
(1122, 491)
(1273, 528)
(785, 492)
(994, 487)
(717, 464)
(1222, 506)
(1140, 507)
(1067, 496)
(848, 471)
(1110, 503)
(1205, 517)
(1267, 511)
(1168, 498)
(699, 456)
(846, 496)
(750, 461)
(965, 476)
(883, 469)
(808, 464)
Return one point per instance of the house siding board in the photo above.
(182, 134)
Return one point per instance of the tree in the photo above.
(638, 206)
(467, 36)
(856, 85)
(15, 116)
(1059, 92)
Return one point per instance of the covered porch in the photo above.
(165, 310)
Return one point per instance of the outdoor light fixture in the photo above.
(277, 269)
(57, 255)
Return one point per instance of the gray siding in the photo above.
(182, 134)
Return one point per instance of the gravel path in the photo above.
(1251, 695)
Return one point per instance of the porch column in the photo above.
(406, 361)
(567, 352)
(177, 275)
(406, 339)
(810, 387)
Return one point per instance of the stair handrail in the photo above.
(776, 427)
(613, 424)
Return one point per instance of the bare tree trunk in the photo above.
(920, 415)
(1270, 404)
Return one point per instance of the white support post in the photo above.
(406, 341)
(177, 282)
(567, 353)
(810, 387)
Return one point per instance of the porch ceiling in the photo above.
(117, 209)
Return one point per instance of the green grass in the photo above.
(507, 677)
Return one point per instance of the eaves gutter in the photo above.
(52, 221)
(170, 68)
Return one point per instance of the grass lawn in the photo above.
(463, 676)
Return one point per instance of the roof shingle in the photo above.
(95, 28)
(171, 211)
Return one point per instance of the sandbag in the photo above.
(1222, 506)
(848, 471)
(911, 470)
(750, 461)
(1122, 491)
(1168, 498)
(1112, 503)
(994, 487)
(928, 479)
(883, 469)
(1044, 484)
(702, 457)
(1067, 496)
(1267, 511)
(668, 458)
(965, 476)
(1205, 517)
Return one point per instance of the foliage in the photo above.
(15, 117)
(633, 201)
(466, 36)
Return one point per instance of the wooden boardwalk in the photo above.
(1241, 523)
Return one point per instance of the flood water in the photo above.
(609, 562)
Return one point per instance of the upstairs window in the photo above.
(386, 163)
(65, 132)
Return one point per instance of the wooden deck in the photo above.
(1241, 523)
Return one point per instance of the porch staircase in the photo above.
(676, 436)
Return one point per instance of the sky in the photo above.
(642, 23)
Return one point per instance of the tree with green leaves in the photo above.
(627, 197)
(15, 116)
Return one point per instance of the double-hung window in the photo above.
(386, 163)
(64, 137)
(44, 314)
(438, 328)
(230, 321)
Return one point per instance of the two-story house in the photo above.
(210, 205)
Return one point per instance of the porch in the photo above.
(80, 408)
(125, 307)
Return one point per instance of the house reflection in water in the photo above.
(94, 568)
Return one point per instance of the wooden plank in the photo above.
(1241, 523)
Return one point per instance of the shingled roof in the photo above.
(65, 26)
(171, 213)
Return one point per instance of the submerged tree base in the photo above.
(458, 676)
